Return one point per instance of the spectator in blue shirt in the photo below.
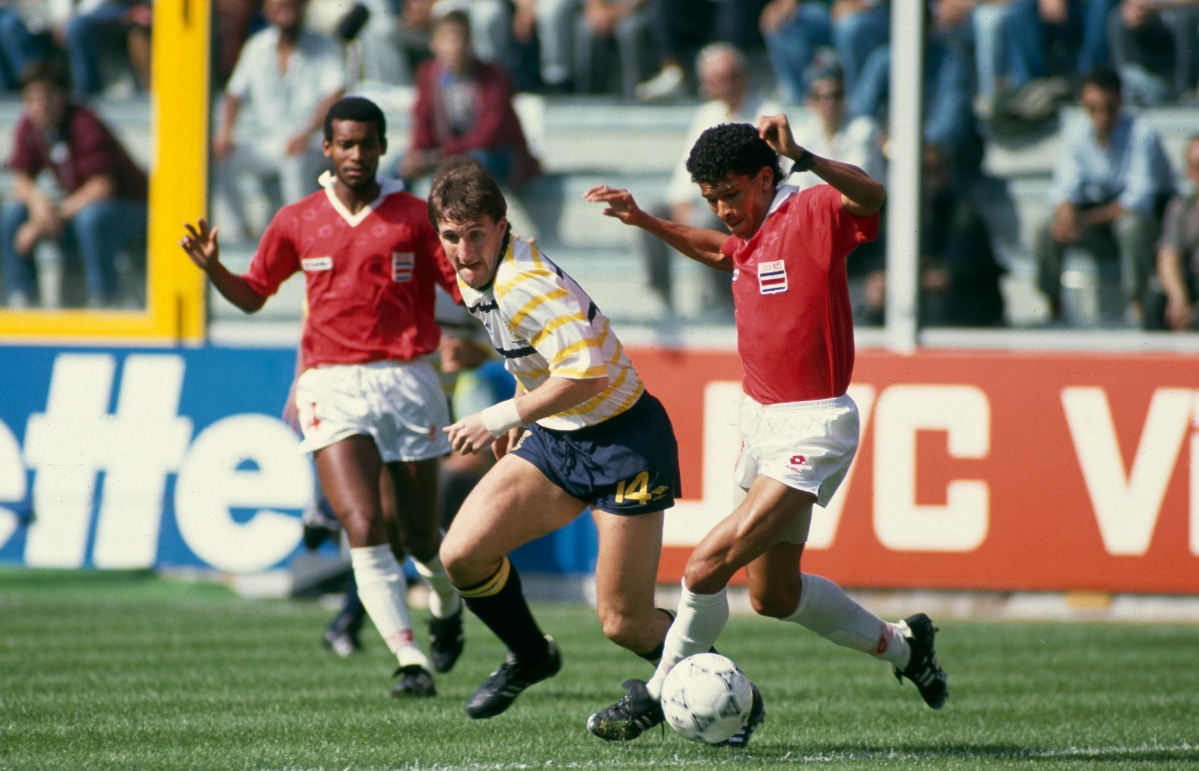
(949, 120)
(1047, 38)
(1110, 182)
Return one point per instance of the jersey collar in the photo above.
(387, 186)
(781, 194)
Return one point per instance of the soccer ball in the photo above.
(706, 698)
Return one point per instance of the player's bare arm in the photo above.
(860, 195)
(558, 394)
(700, 244)
(201, 245)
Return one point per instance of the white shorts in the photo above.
(807, 446)
(400, 405)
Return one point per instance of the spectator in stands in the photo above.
(1152, 47)
(793, 32)
(826, 129)
(551, 24)
(949, 120)
(491, 27)
(724, 77)
(102, 209)
(988, 26)
(1031, 54)
(233, 20)
(100, 29)
(369, 32)
(959, 275)
(23, 39)
(464, 107)
(682, 27)
(1063, 38)
(290, 77)
(1109, 184)
(1178, 257)
(607, 30)
(414, 30)
(795, 29)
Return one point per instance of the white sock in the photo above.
(829, 612)
(699, 622)
(443, 597)
(384, 593)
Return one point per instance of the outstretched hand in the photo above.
(776, 131)
(469, 435)
(201, 245)
(619, 202)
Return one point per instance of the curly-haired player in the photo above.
(799, 426)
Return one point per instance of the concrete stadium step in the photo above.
(553, 205)
(587, 134)
(1035, 153)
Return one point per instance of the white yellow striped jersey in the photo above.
(544, 325)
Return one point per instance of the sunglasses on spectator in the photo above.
(827, 96)
(1103, 108)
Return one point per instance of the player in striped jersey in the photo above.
(581, 431)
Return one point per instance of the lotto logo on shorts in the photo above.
(797, 462)
(401, 266)
(772, 277)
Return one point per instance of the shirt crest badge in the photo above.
(402, 264)
(772, 277)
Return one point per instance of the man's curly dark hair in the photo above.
(731, 148)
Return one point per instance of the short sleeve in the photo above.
(238, 84)
(844, 230)
(24, 155)
(276, 258)
(1174, 225)
(93, 146)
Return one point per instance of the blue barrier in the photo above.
(167, 457)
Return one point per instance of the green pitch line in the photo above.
(134, 672)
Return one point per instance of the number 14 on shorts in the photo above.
(637, 490)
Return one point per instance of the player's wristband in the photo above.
(501, 418)
(805, 161)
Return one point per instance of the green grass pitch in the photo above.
(129, 671)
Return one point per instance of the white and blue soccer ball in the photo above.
(706, 698)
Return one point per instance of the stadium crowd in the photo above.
(994, 70)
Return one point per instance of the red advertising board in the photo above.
(976, 470)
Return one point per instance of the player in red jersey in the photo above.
(786, 253)
(371, 407)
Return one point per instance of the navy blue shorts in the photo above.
(628, 464)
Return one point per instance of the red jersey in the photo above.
(794, 322)
(370, 276)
